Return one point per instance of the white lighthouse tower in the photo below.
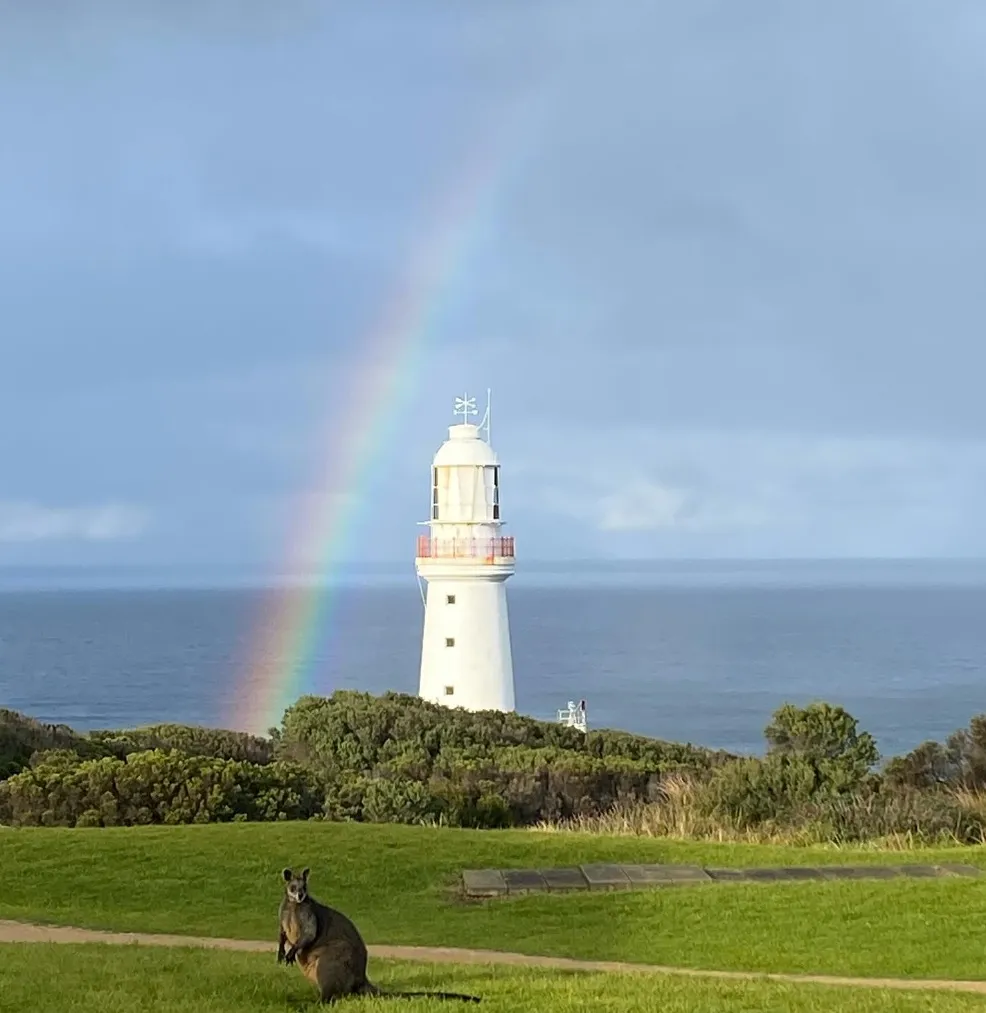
(465, 560)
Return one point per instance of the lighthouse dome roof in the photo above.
(465, 447)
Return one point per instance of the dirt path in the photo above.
(22, 932)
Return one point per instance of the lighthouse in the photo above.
(465, 561)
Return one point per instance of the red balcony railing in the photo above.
(466, 548)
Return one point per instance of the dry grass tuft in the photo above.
(972, 800)
(679, 815)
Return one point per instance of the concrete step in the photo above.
(501, 882)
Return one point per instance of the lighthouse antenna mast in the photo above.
(485, 424)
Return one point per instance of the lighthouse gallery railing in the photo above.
(465, 548)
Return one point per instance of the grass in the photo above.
(223, 880)
(114, 979)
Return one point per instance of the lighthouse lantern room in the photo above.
(465, 561)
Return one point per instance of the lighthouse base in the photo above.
(465, 651)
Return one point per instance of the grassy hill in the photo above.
(395, 882)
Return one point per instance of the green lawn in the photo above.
(223, 880)
(113, 979)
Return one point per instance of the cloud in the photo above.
(763, 493)
(641, 505)
(645, 505)
(31, 522)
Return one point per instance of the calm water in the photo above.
(699, 654)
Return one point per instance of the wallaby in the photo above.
(328, 947)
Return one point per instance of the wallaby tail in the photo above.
(384, 993)
(432, 995)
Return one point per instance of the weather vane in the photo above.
(465, 406)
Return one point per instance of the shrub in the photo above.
(21, 737)
(826, 737)
(929, 766)
(958, 763)
(356, 731)
(192, 740)
(470, 768)
(155, 786)
(815, 755)
(751, 792)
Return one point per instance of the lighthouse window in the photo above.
(496, 494)
(450, 641)
(449, 690)
(450, 599)
(434, 494)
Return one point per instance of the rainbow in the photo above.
(378, 387)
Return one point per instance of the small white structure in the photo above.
(465, 560)
(574, 717)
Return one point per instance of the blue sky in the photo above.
(727, 284)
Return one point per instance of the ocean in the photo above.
(697, 652)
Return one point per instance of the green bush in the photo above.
(189, 739)
(354, 731)
(929, 766)
(475, 768)
(655, 754)
(397, 757)
(155, 786)
(815, 756)
(958, 763)
(825, 736)
(21, 737)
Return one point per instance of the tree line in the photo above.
(397, 758)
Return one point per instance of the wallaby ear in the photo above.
(304, 874)
(286, 873)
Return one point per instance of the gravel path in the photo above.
(22, 932)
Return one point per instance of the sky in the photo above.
(721, 265)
